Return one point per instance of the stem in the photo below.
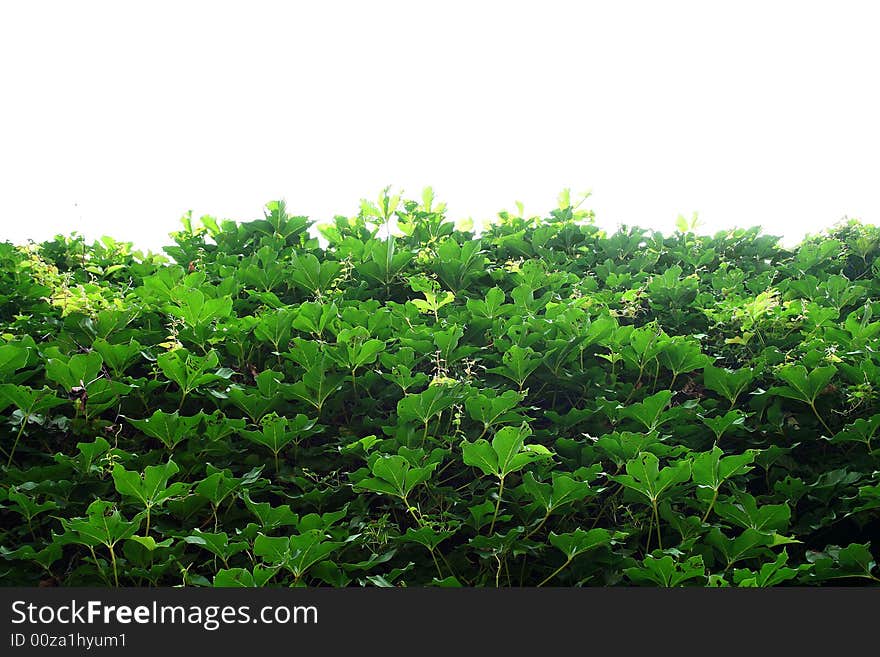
(607, 501)
(436, 565)
(425, 434)
(442, 470)
(537, 392)
(827, 428)
(228, 506)
(437, 431)
(449, 419)
(497, 506)
(451, 571)
(711, 505)
(636, 384)
(409, 508)
(421, 523)
(113, 561)
(147, 530)
(101, 570)
(540, 524)
(18, 437)
(555, 572)
(657, 522)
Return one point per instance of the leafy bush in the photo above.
(540, 404)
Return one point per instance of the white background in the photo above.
(117, 117)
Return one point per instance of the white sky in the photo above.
(117, 117)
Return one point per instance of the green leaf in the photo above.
(426, 537)
(118, 357)
(27, 506)
(170, 428)
(481, 455)
(219, 484)
(711, 469)
(27, 400)
(216, 543)
(517, 364)
(150, 487)
(89, 455)
(313, 275)
(493, 306)
(490, 408)
(770, 574)
(649, 411)
(240, 577)
(862, 430)
(271, 517)
(195, 309)
(835, 562)
(446, 582)
(79, 371)
(730, 384)
(258, 404)
(621, 446)
(316, 386)
(150, 543)
(273, 549)
(369, 352)
(749, 544)
(277, 432)
(189, 371)
(803, 386)
(666, 572)
(507, 444)
(871, 497)
(12, 358)
(507, 452)
(102, 525)
(644, 476)
(683, 356)
(745, 512)
(564, 490)
(315, 318)
(275, 327)
(394, 475)
(723, 423)
(44, 557)
(579, 541)
(295, 553)
(425, 405)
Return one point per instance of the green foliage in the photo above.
(407, 403)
